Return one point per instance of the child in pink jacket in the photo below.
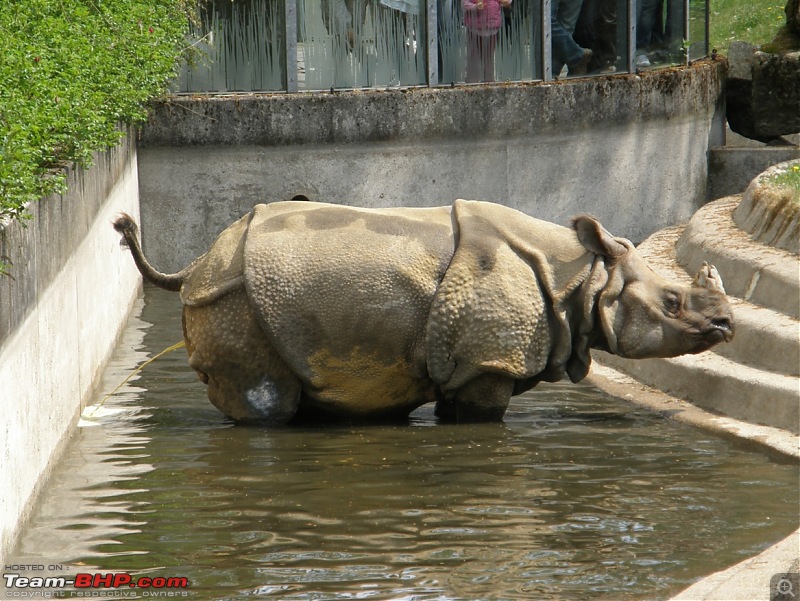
(482, 19)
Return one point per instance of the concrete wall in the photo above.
(631, 149)
(61, 309)
(730, 170)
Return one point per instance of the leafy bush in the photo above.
(71, 70)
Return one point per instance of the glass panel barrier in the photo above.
(360, 43)
(241, 46)
(698, 41)
(452, 41)
(518, 48)
(660, 33)
(488, 40)
(347, 44)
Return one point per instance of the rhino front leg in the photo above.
(247, 380)
(485, 398)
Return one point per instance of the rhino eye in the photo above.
(672, 303)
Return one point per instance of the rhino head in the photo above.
(643, 315)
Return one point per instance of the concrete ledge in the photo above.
(719, 384)
(69, 292)
(764, 339)
(776, 441)
(749, 580)
(484, 112)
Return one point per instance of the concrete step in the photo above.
(752, 271)
(718, 384)
(764, 339)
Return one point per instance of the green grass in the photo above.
(71, 71)
(754, 21)
(789, 179)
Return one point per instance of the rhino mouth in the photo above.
(721, 326)
(717, 330)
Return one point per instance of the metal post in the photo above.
(432, 57)
(707, 28)
(291, 45)
(686, 41)
(546, 49)
(631, 54)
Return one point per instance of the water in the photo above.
(575, 496)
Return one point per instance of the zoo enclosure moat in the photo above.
(574, 495)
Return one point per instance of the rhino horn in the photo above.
(708, 277)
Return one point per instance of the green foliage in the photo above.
(71, 70)
(754, 21)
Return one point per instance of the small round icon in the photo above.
(784, 587)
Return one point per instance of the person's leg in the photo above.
(605, 24)
(565, 49)
(597, 30)
(673, 28)
(644, 30)
(474, 69)
(568, 12)
(488, 45)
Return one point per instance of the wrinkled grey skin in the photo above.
(323, 310)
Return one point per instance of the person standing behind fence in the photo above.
(597, 30)
(344, 19)
(563, 15)
(482, 19)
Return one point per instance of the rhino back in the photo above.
(343, 295)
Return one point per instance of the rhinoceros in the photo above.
(311, 309)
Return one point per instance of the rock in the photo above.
(739, 88)
(763, 92)
(776, 94)
(740, 59)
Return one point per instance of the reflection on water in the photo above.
(576, 496)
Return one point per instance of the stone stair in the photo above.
(755, 378)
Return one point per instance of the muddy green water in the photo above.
(575, 496)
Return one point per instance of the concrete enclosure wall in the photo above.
(631, 149)
(70, 289)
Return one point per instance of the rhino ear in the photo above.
(597, 239)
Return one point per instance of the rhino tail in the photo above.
(126, 226)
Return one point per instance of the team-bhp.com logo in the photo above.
(93, 585)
